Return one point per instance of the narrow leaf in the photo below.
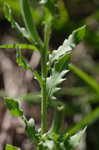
(20, 46)
(13, 107)
(28, 20)
(9, 16)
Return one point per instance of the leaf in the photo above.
(55, 79)
(28, 20)
(59, 71)
(62, 63)
(22, 61)
(9, 16)
(68, 44)
(59, 61)
(76, 139)
(10, 147)
(13, 107)
(20, 46)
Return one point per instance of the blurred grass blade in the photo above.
(88, 79)
(74, 91)
(89, 119)
(20, 46)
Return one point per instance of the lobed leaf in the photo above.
(10, 147)
(59, 60)
(53, 81)
(68, 44)
(13, 107)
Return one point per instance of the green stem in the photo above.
(44, 99)
(44, 77)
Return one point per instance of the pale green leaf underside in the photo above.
(10, 147)
(20, 46)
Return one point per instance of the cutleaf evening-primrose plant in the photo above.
(54, 68)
